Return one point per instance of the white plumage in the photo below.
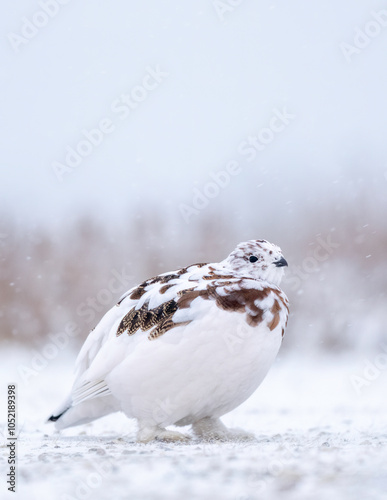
(184, 347)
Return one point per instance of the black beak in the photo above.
(280, 263)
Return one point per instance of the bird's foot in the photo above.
(212, 429)
(147, 434)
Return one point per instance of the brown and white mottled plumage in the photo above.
(184, 347)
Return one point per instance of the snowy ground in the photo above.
(316, 437)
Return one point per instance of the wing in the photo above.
(149, 306)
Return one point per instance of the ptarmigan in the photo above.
(185, 347)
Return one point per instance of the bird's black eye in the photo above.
(253, 258)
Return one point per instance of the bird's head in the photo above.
(257, 259)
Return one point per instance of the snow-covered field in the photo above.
(316, 437)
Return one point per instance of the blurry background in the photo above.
(292, 95)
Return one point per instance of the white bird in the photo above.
(185, 347)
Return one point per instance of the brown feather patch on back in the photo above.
(213, 276)
(164, 288)
(236, 298)
(140, 290)
(234, 301)
(275, 310)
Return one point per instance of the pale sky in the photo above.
(180, 89)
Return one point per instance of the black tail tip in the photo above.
(53, 418)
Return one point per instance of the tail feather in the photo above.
(89, 401)
(90, 390)
(54, 418)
